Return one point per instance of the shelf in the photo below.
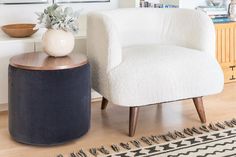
(37, 37)
(190, 4)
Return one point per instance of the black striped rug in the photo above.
(212, 140)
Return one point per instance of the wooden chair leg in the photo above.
(104, 103)
(133, 118)
(200, 109)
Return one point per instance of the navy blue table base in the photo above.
(49, 107)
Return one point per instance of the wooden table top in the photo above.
(41, 61)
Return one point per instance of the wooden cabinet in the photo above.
(9, 49)
(226, 49)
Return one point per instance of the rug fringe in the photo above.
(154, 139)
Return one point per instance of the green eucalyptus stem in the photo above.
(55, 17)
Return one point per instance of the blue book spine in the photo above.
(221, 20)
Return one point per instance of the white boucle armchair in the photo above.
(148, 56)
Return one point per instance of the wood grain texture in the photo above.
(41, 61)
(110, 126)
(19, 30)
(200, 109)
(225, 49)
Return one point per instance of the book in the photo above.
(219, 16)
(213, 11)
(209, 8)
(221, 20)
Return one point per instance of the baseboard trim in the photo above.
(3, 107)
(96, 99)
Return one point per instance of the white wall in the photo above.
(128, 3)
(26, 13)
(191, 3)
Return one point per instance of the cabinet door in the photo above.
(9, 49)
(225, 41)
(233, 78)
(38, 46)
(226, 49)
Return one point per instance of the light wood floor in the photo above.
(111, 126)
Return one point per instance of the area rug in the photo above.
(212, 140)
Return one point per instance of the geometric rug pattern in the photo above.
(212, 140)
(217, 144)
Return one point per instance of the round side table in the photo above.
(49, 98)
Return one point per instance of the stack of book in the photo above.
(217, 14)
(157, 4)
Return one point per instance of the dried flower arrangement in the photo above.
(58, 18)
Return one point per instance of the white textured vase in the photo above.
(58, 43)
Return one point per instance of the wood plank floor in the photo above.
(111, 126)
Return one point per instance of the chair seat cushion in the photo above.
(155, 73)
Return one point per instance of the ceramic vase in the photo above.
(58, 43)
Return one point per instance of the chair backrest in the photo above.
(183, 27)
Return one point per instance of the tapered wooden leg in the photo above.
(133, 118)
(200, 109)
(104, 103)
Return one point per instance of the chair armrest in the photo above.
(203, 36)
(103, 45)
